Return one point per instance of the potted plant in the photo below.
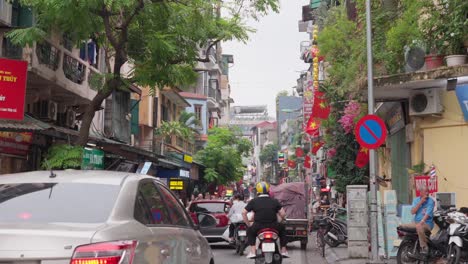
(455, 27)
(432, 30)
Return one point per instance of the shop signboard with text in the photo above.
(425, 180)
(176, 184)
(13, 75)
(93, 159)
(14, 143)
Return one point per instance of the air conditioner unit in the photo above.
(425, 102)
(414, 58)
(47, 110)
(70, 119)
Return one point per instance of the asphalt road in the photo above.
(224, 254)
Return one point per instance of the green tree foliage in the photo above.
(161, 38)
(223, 155)
(269, 153)
(63, 156)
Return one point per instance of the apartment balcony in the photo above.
(170, 144)
(56, 72)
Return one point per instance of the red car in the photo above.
(217, 208)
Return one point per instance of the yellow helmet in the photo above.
(262, 188)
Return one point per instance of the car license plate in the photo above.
(268, 247)
(242, 233)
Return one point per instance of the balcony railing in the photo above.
(57, 64)
(171, 144)
(48, 55)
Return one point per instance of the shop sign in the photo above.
(93, 159)
(188, 158)
(462, 95)
(176, 185)
(184, 174)
(15, 143)
(425, 180)
(395, 119)
(12, 88)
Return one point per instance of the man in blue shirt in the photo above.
(423, 211)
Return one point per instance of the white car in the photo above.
(90, 217)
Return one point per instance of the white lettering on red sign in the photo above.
(428, 181)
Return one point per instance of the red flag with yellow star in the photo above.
(362, 158)
(321, 108)
(307, 162)
(313, 126)
(316, 146)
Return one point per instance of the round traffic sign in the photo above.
(370, 131)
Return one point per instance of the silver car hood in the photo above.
(43, 241)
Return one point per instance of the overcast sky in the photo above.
(269, 62)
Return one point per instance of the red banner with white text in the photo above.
(13, 75)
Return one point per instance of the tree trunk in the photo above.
(111, 85)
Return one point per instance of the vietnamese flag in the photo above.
(291, 164)
(299, 152)
(307, 162)
(362, 158)
(313, 126)
(321, 108)
(316, 146)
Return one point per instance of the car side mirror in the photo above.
(206, 220)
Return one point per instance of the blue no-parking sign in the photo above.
(371, 131)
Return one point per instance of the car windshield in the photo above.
(56, 202)
(208, 207)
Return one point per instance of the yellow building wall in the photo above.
(446, 146)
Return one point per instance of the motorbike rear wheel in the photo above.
(330, 241)
(454, 254)
(402, 256)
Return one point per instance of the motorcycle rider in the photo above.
(235, 214)
(423, 211)
(266, 211)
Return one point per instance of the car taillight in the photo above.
(116, 252)
(222, 220)
(242, 227)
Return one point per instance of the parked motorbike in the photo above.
(409, 248)
(458, 238)
(268, 247)
(336, 229)
(240, 238)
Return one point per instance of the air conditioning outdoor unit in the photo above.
(425, 102)
(70, 119)
(414, 58)
(47, 110)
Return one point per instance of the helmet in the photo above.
(262, 188)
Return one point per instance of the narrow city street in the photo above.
(225, 254)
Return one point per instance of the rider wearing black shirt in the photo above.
(266, 211)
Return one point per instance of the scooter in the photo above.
(409, 248)
(458, 238)
(268, 247)
(240, 238)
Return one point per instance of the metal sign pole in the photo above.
(372, 154)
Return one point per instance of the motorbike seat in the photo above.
(411, 230)
(267, 230)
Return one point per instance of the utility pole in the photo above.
(372, 157)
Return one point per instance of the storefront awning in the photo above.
(28, 124)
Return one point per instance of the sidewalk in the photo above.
(340, 255)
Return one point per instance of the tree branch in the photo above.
(207, 56)
(108, 28)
